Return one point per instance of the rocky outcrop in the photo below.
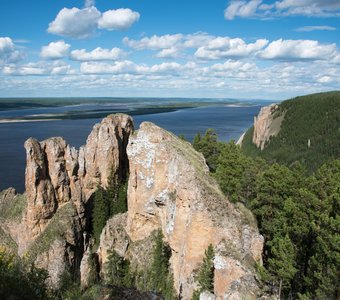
(266, 125)
(170, 189)
(104, 153)
(59, 181)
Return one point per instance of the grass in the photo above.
(55, 229)
(7, 241)
(13, 209)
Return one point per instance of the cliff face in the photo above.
(266, 125)
(59, 181)
(170, 189)
(105, 152)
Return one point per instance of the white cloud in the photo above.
(39, 68)
(129, 67)
(55, 50)
(315, 28)
(119, 19)
(106, 68)
(172, 52)
(75, 22)
(207, 47)
(97, 54)
(224, 47)
(234, 65)
(242, 9)
(82, 23)
(298, 50)
(264, 9)
(9, 52)
(89, 3)
(155, 42)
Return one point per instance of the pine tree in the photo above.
(282, 261)
(101, 212)
(161, 279)
(205, 275)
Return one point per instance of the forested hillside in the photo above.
(310, 132)
(297, 213)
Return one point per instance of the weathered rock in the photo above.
(266, 125)
(207, 296)
(113, 238)
(104, 153)
(85, 269)
(54, 262)
(170, 188)
(40, 193)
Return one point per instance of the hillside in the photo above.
(309, 132)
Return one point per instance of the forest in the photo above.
(297, 213)
(309, 132)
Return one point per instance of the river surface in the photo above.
(229, 122)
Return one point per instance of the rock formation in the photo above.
(266, 124)
(59, 181)
(170, 188)
(104, 153)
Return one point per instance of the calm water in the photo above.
(228, 122)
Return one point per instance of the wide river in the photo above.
(228, 121)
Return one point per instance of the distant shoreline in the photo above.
(5, 121)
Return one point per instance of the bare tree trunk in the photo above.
(280, 287)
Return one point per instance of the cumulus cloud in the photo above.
(155, 42)
(82, 23)
(97, 54)
(119, 19)
(55, 50)
(172, 52)
(262, 9)
(106, 68)
(89, 3)
(241, 9)
(129, 67)
(224, 47)
(39, 68)
(8, 51)
(75, 22)
(298, 50)
(234, 65)
(315, 28)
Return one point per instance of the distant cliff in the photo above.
(304, 129)
(169, 189)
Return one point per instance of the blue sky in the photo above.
(230, 49)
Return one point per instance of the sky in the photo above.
(252, 49)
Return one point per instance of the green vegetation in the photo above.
(205, 275)
(313, 119)
(209, 147)
(161, 279)
(118, 271)
(156, 277)
(107, 203)
(20, 279)
(13, 209)
(298, 215)
(56, 228)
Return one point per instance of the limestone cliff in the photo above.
(50, 218)
(266, 124)
(170, 188)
